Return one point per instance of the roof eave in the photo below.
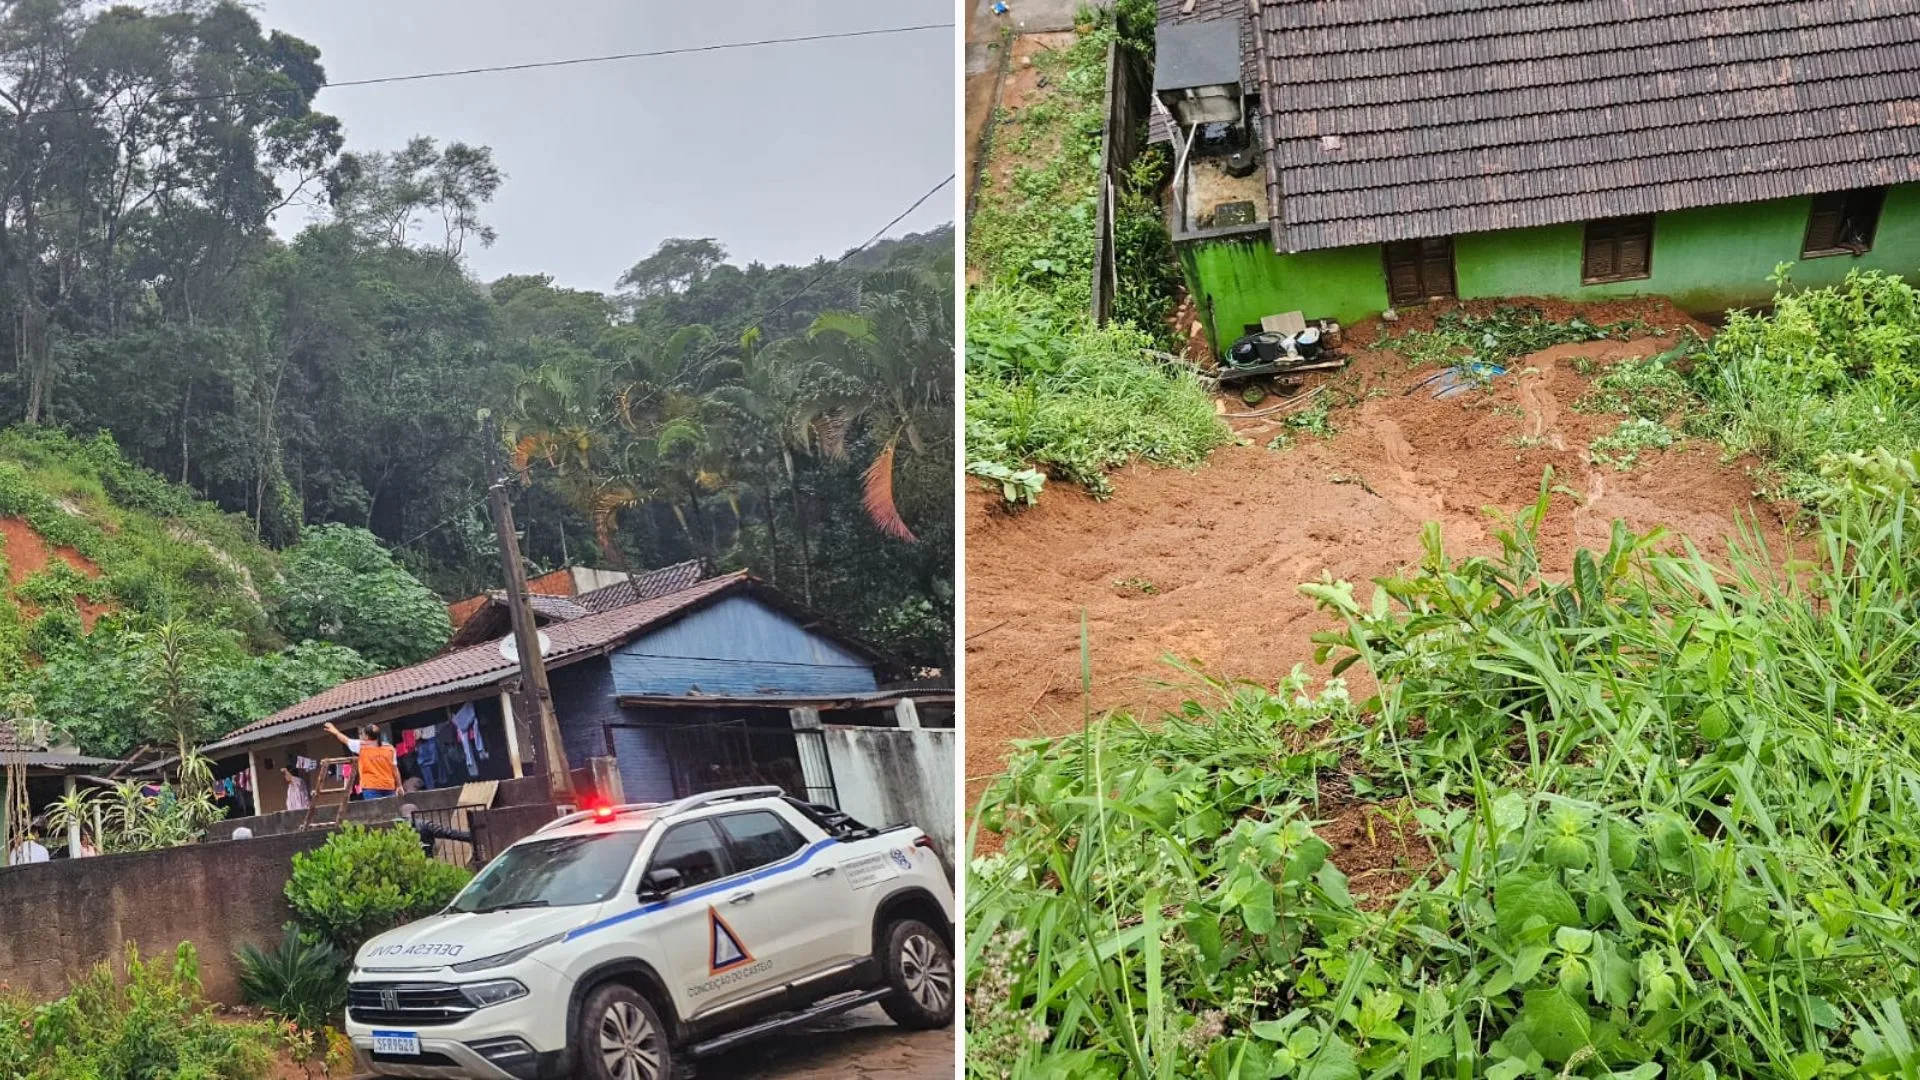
(426, 697)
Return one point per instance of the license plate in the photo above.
(405, 1043)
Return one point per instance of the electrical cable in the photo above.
(755, 322)
(532, 65)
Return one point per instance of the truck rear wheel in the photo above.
(620, 1037)
(919, 967)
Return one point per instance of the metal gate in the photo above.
(708, 756)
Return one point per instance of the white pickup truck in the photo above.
(617, 943)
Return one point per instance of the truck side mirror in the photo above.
(659, 883)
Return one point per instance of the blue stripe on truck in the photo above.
(789, 863)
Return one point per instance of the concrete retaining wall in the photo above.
(59, 919)
(896, 776)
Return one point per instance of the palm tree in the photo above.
(888, 366)
(770, 423)
(563, 417)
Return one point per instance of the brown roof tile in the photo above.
(480, 665)
(644, 586)
(1458, 116)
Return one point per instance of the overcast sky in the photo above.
(782, 152)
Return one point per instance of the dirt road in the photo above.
(860, 1045)
(1204, 565)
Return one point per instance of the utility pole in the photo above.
(526, 635)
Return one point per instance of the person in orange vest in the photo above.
(378, 765)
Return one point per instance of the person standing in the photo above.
(28, 850)
(298, 797)
(377, 766)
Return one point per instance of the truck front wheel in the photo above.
(919, 968)
(620, 1037)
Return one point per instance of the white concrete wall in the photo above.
(896, 776)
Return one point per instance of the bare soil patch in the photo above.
(1204, 565)
(1377, 847)
(27, 554)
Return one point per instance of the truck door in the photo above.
(796, 903)
(714, 961)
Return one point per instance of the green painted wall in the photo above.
(1706, 260)
(1245, 281)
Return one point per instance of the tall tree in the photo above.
(676, 266)
(388, 197)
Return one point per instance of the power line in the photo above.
(754, 323)
(532, 65)
(470, 508)
(757, 320)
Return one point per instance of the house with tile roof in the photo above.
(687, 682)
(1339, 158)
(49, 772)
(564, 595)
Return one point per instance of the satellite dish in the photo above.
(510, 645)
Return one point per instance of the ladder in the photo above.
(334, 797)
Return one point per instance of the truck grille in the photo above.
(415, 1004)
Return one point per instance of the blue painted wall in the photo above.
(738, 647)
(583, 703)
(645, 773)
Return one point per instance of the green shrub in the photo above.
(1651, 389)
(1827, 372)
(1075, 399)
(1653, 818)
(55, 630)
(303, 979)
(151, 1024)
(340, 584)
(59, 583)
(363, 882)
(1499, 337)
(1622, 446)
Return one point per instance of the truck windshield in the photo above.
(561, 872)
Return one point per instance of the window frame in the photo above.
(1423, 258)
(725, 848)
(733, 851)
(1877, 193)
(1617, 226)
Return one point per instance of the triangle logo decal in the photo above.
(727, 951)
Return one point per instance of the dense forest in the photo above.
(796, 420)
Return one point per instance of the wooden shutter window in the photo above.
(1618, 249)
(1843, 223)
(1419, 270)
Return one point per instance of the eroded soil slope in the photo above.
(1204, 565)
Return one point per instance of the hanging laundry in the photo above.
(426, 756)
(407, 739)
(466, 726)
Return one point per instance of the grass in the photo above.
(1049, 389)
(1828, 372)
(1661, 823)
(1621, 448)
(1046, 388)
(1500, 337)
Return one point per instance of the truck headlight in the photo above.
(493, 993)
